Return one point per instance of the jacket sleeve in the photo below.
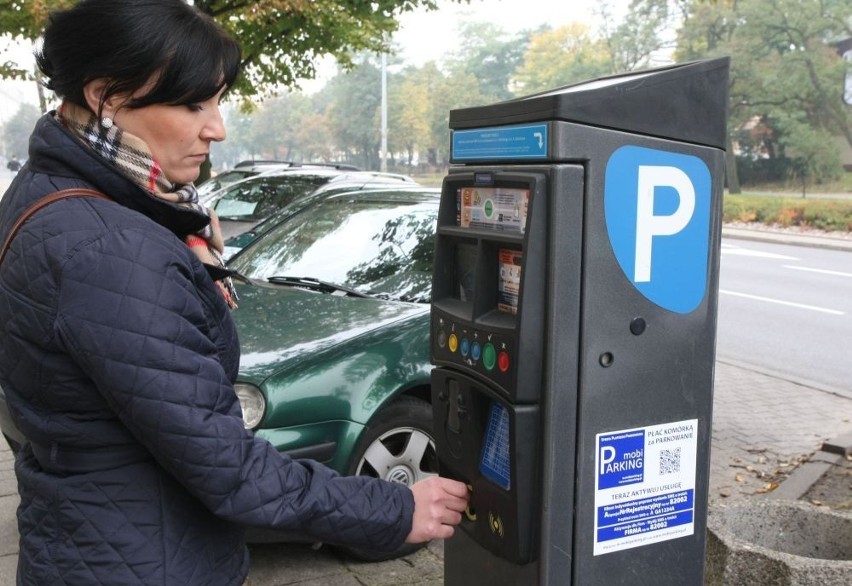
(133, 311)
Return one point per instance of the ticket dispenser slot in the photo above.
(486, 445)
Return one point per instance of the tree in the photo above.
(409, 107)
(354, 112)
(561, 56)
(489, 55)
(282, 40)
(238, 145)
(708, 31)
(812, 151)
(275, 127)
(785, 74)
(314, 137)
(800, 71)
(633, 42)
(459, 90)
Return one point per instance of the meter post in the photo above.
(573, 329)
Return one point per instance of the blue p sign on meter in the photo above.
(657, 207)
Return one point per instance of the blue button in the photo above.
(465, 346)
(476, 351)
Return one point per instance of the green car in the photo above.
(334, 333)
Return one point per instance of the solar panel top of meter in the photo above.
(693, 111)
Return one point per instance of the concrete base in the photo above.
(778, 543)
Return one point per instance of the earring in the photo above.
(106, 122)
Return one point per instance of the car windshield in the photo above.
(222, 180)
(257, 198)
(382, 249)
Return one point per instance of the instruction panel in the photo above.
(645, 485)
(494, 208)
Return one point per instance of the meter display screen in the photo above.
(494, 464)
(502, 209)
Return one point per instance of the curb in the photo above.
(797, 484)
(812, 240)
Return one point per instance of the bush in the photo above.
(821, 214)
(758, 171)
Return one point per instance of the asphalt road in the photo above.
(787, 309)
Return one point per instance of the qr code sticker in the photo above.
(670, 461)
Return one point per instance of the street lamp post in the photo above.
(383, 165)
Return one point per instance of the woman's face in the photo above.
(179, 136)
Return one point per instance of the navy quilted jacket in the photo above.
(117, 357)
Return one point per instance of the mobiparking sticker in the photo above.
(645, 485)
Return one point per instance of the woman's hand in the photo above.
(438, 505)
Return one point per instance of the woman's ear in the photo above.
(93, 93)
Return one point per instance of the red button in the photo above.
(503, 361)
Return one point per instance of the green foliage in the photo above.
(814, 154)
(573, 53)
(632, 42)
(278, 129)
(23, 20)
(786, 77)
(450, 93)
(409, 106)
(561, 56)
(282, 40)
(354, 112)
(490, 56)
(829, 215)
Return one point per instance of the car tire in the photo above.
(398, 445)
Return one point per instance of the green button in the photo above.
(489, 356)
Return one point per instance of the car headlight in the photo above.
(252, 403)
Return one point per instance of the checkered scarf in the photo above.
(132, 157)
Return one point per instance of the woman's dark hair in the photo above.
(130, 43)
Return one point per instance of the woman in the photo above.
(118, 351)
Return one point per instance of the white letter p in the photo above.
(607, 456)
(647, 224)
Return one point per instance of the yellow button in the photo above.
(453, 343)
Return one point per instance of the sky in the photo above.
(427, 36)
(423, 36)
(13, 93)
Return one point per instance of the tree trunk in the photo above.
(731, 168)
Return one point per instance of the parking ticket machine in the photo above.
(573, 329)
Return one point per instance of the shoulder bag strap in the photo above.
(45, 201)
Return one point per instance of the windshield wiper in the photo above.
(316, 285)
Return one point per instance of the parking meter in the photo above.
(573, 329)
